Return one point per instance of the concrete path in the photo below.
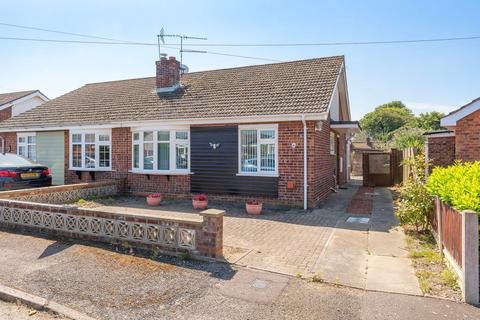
(370, 256)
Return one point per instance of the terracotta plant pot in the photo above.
(154, 201)
(200, 204)
(255, 209)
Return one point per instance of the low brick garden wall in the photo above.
(199, 235)
(65, 193)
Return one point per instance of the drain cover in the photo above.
(358, 220)
(259, 284)
(371, 193)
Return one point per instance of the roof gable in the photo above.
(297, 87)
(450, 120)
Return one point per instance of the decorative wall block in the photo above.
(164, 233)
(169, 236)
(186, 238)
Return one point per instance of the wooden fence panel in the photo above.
(408, 154)
(451, 229)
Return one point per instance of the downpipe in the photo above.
(305, 176)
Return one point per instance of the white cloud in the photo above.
(419, 107)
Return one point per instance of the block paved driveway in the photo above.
(288, 241)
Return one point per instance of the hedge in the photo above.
(457, 185)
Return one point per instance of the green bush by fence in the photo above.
(457, 185)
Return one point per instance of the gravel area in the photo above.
(106, 284)
(14, 311)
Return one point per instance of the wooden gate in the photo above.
(382, 168)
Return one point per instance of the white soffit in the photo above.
(451, 119)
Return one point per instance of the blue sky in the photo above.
(432, 76)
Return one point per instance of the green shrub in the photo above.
(458, 185)
(415, 203)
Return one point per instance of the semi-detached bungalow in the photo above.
(278, 132)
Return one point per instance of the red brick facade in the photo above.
(467, 138)
(441, 151)
(322, 166)
(10, 139)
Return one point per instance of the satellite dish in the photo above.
(184, 68)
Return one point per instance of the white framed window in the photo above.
(258, 150)
(333, 139)
(161, 150)
(91, 150)
(27, 145)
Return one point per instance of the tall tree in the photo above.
(385, 119)
(429, 120)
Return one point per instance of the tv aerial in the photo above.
(161, 38)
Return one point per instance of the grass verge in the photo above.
(434, 275)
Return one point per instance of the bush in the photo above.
(415, 203)
(458, 185)
(404, 138)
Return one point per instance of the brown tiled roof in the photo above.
(11, 96)
(295, 87)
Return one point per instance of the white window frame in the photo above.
(173, 141)
(98, 143)
(333, 143)
(26, 144)
(260, 141)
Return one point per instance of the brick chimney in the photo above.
(168, 75)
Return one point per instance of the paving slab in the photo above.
(392, 274)
(345, 259)
(391, 243)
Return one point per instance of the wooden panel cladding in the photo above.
(214, 163)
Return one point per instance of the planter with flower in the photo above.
(200, 201)
(254, 207)
(154, 199)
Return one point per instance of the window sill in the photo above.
(161, 173)
(253, 174)
(92, 169)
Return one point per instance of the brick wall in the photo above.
(5, 114)
(10, 141)
(441, 151)
(290, 162)
(323, 166)
(467, 138)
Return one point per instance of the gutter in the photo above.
(305, 186)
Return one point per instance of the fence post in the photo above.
(470, 279)
(438, 212)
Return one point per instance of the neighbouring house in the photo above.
(358, 148)
(277, 132)
(14, 103)
(460, 139)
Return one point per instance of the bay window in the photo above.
(27, 145)
(258, 150)
(90, 150)
(161, 151)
